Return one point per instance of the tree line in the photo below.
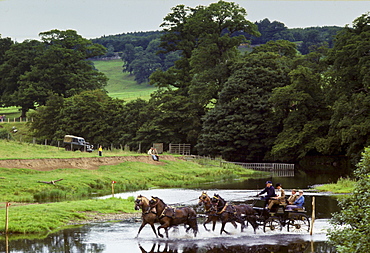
(142, 55)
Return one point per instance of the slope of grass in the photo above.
(343, 185)
(23, 150)
(122, 85)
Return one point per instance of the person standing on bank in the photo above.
(270, 190)
(100, 150)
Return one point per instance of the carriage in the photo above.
(278, 217)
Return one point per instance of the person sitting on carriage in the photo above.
(298, 204)
(270, 190)
(292, 198)
(280, 197)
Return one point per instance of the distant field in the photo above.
(122, 85)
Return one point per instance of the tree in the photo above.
(18, 61)
(5, 44)
(91, 114)
(351, 225)
(58, 66)
(241, 126)
(302, 111)
(348, 90)
(207, 38)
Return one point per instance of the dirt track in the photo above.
(89, 163)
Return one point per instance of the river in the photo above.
(119, 236)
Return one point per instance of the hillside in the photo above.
(122, 85)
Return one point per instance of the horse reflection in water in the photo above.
(211, 213)
(232, 213)
(148, 214)
(172, 216)
(157, 249)
(298, 247)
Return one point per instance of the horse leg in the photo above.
(214, 225)
(153, 228)
(141, 227)
(159, 233)
(253, 222)
(223, 228)
(234, 224)
(206, 222)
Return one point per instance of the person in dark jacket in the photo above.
(270, 190)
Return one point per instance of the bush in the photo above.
(351, 225)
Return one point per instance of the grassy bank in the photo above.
(343, 185)
(24, 150)
(46, 218)
(21, 185)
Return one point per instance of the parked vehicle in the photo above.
(74, 143)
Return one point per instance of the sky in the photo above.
(25, 19)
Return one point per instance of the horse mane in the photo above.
(158, 199)
(216, 196)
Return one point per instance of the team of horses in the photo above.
(216, 209)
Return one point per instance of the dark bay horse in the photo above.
(211, 213)
(148, 214)
(172, 216)
(233, 213)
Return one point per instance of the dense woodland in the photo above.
(269, 103)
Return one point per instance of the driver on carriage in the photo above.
(270, 190)
(279, 199)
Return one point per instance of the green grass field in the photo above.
(122, 85)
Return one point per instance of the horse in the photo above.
(209, 211)
(233, 213)
(148, 214)
(172, 216)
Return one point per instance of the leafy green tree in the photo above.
(91, 114)
(301, 109)
(241, 126)
(207, 37)
(60, 66)
(271, 31)
(18, 61)
(5, 44)
(348, 90)
(351, 232)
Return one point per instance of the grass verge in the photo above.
(343, 185)
(46, 218)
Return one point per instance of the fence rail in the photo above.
(276, 169)
(18, 119)
(182, 149)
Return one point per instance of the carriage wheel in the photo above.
(299, 223)
(272, 225)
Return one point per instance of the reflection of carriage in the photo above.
(274, 220)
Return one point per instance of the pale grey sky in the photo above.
(25, 19)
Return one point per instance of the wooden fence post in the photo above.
(313, 215)
(7, 217)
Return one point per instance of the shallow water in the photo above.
(111, 237)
